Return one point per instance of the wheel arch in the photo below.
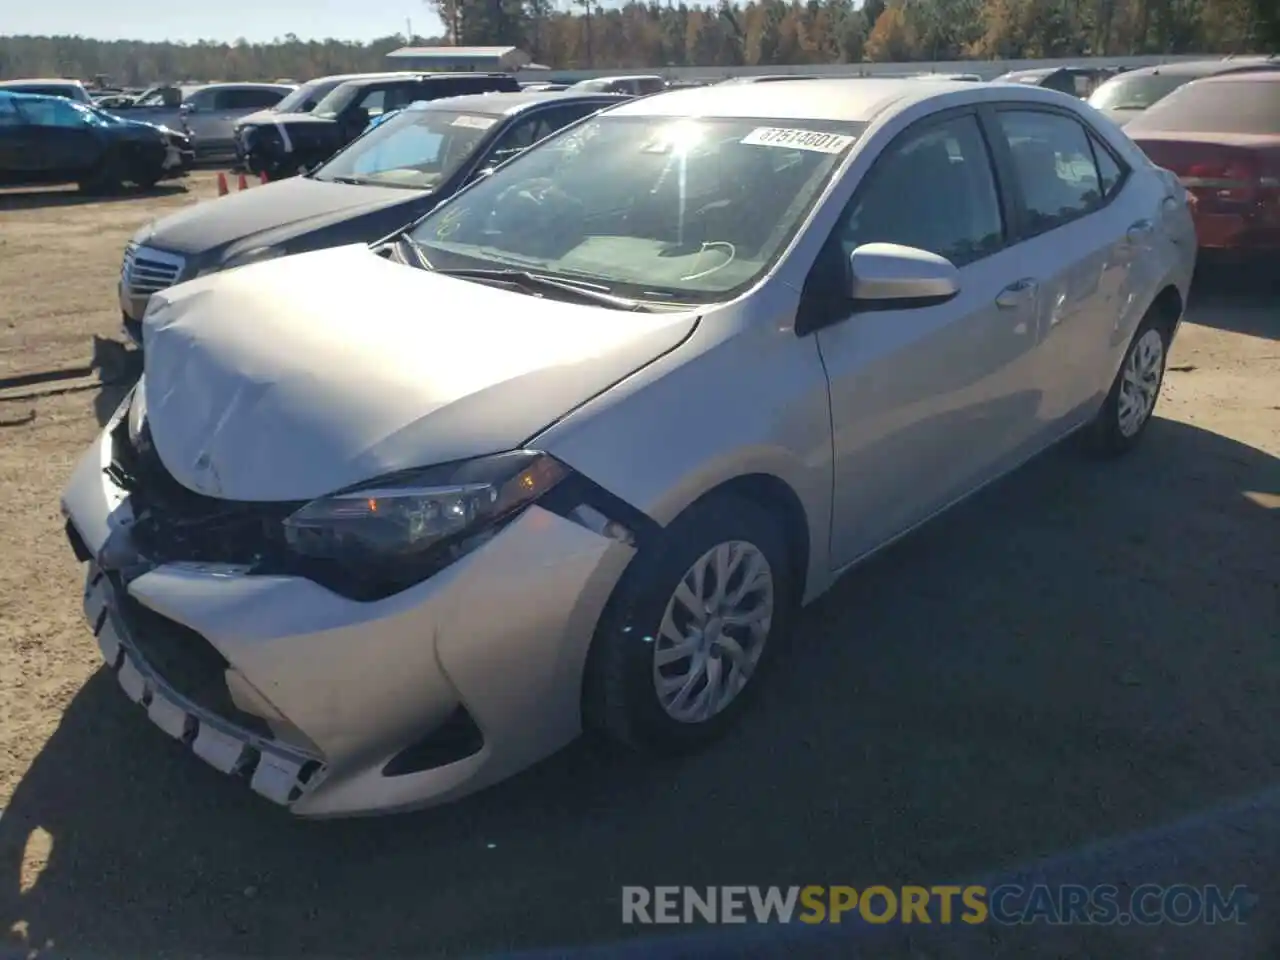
(1168, 307)
(775, 496)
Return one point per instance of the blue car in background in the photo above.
(48, 140)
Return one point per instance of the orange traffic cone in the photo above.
(242, 183)
(262, 177)
(222, 184)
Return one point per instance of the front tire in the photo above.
(1131, 402)
(108, 178)
(690, 629)
(147, 180)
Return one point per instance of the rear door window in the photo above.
(53, 113)
(1054, 165)
(1110, 171)
(9, 115)
(248, 99)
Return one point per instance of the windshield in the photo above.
(1136, 93)
(306, 97)
(414, 148)
(336, 100)
(1236, 106)
(649, 207)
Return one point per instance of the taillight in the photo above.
(1234, 179)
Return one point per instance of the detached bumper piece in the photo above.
(178, 678)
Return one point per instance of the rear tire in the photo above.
(663, 677)
(1131, 402)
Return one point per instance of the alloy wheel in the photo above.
(1140, 382)
(713, 631)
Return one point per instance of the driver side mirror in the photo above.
(889, 276)
(188, 108)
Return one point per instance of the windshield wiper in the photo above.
(588, 292)
(414, 256)
(353, 181)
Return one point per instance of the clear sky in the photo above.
(218, 20)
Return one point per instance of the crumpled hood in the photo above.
(298, 201)
(290, 379)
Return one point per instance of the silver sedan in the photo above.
(380, 527)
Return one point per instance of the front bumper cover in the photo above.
(275, 771)
(346, 687)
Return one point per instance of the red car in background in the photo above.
(1221, 136)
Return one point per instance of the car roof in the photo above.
(766, 78)
(362, 80)
(348, 77)
(41, 82)
(40, 97)
(1202, 68)
(1038, 72)
(628, 76)
(853, 99)
(502, 104)
(1245, 76)
(244, 85)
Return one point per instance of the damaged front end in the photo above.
(188, 688)
(172, 524)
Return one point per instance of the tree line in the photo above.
(660, 34)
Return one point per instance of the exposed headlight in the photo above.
(394, 532)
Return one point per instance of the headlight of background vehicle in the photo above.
(389, 534)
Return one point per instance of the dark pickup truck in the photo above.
(290, 143)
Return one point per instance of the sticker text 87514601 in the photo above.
(796, 139)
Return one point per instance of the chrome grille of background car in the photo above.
(145, 270)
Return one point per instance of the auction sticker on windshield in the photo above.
(794, 139)
(474, 123)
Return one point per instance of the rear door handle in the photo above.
(1139, 230)
(1016, 293)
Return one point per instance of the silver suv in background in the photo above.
(205, 112)
(209, 114)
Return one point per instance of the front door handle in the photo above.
(1139, 230)
(1016, 293)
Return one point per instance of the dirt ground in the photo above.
(1079, 652)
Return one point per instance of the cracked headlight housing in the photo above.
(137, 401)
(386, 535)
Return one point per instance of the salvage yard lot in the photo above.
(1078, 652)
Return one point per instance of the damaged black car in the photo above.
(53, 140)
(288, 144)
